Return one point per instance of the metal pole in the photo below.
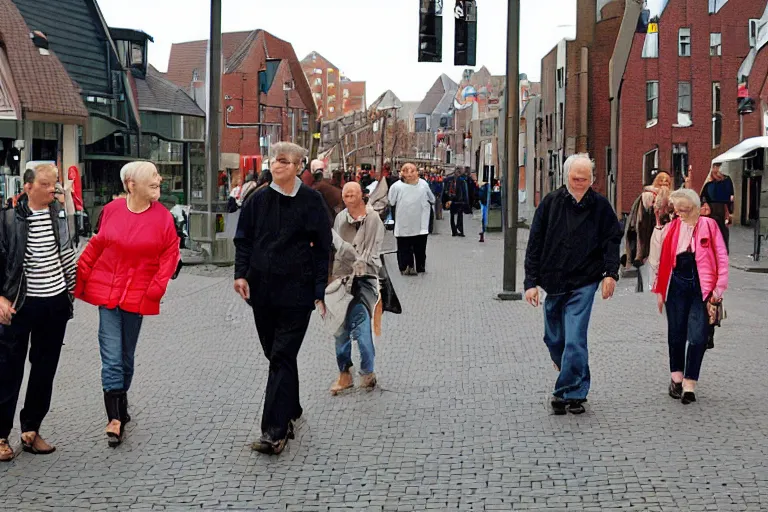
(511, 142)
(212, 149)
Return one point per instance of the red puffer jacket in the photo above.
(130, 261)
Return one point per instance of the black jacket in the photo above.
(572, 244)
(283, 247)
(13, 245)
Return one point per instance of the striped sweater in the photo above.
(49, 272)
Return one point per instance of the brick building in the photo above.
(679, 97)
(575, 97)
(266, 95)
(334, 94)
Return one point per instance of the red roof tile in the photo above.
(188, 56)
(44, 87)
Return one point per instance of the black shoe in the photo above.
(112, 403)
(675, 389)
(558, 406)
(710, 342)
(688, 397)
(455, 234)
(576, 406)
(461, 235)
(124, 416)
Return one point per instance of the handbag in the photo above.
(389, 299)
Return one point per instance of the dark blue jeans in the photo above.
(118, 336)
(566, 321)
(687, 319)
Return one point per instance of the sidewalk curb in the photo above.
(753, 270)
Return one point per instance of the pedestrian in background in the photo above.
(38, 276)
(331, 195)
(357, 236)
(413, 201)
(456, 199)
(282, 252)
(691, 278)
(124, 270)
(718, 193)
(573, 247)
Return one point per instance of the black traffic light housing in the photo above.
(430, 30)
(465, 44)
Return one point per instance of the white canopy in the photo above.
(742, 149)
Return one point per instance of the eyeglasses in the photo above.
(285, 161)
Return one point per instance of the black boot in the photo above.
(124, 416)
(112, 401)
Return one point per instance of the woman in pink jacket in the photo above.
(692, 276)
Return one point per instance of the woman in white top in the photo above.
(413, 202)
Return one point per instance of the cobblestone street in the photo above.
(460, 421)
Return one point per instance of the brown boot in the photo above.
(368, 381)
(343, 382)
(6, 452)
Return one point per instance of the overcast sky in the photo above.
(371, 40)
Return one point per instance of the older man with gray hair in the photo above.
(573, 247)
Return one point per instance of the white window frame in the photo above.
(654, 97)
(684, 42)
(715, 44)
(647, 177)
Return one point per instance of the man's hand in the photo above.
(660, 303)
(320, 305)
(448, 204)
(6, 311)
(609, 286)
(532, 296)
(242, 289)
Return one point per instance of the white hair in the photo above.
(136, 171)
(296, 152)
(578, 158)
(685, 194)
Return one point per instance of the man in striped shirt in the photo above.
(37, 278)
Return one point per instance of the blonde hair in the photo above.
(659, 175)
(685, 194)
(408, 166)
(30, 175)
(136, 171)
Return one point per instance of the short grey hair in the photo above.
(578, 158)
(296, 152)
(136, 171)
(686, 194)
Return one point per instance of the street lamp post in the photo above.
(511, 143)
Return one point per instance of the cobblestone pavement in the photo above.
(460, 421)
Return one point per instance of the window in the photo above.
(420, 124)
(650, 166)
(561, 114)
(560, 76)
(317, 81)
(346, 93)
(651, 44)
(753, 29)
(717, 118)
(684, 42)
(651, 103)
(137, 54)
(679, 163)
(684, 104)
(715, 44)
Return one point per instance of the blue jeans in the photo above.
(687, 319)
(118, 335)
(566, 321)
(357, 327)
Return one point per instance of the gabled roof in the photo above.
(313, 53)
(42, 83)
(386, 101)
(443, 86)
(155, 93)
(74, 30)
(189, 56)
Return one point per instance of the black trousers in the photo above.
(281, 332)
(410, 248)
(41, 324)
(457, 219)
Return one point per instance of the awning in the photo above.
(742, 149)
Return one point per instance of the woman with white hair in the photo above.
(124, 271)
(692, 276)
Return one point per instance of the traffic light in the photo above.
(465, 44)
(430, 30)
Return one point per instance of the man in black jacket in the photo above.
(283, 243)
(573, 246)
(456, 199)
(37, 277)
